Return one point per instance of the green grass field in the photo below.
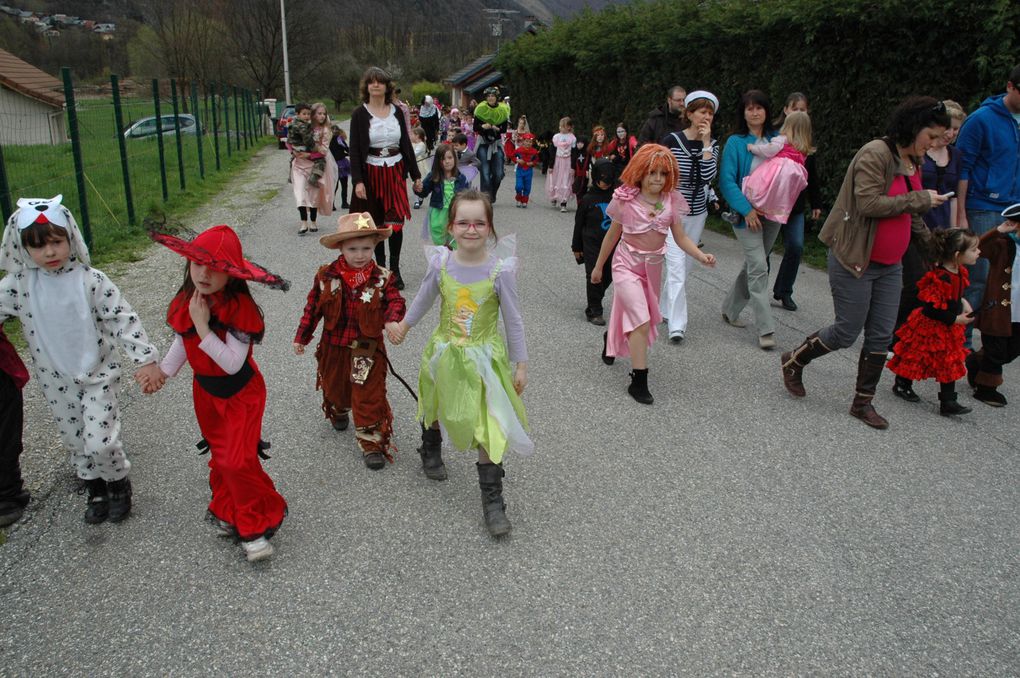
(44, 171)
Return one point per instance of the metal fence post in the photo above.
(260, 128)
(247, 118)
(198, 129)
(237, 121)
(79, 166)
(177, 130)
(159, 140)
(226, 117)
(5, 189)
(215, 124)
(118, 116)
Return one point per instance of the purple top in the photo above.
(506, 291)
(943, 180)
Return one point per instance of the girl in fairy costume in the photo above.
(466, 383)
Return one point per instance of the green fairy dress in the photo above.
(465, 381)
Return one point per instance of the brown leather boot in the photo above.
(869, 372)
(794, 361)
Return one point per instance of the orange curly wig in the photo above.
(649, 158)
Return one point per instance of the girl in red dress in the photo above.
(930, 343)
(217, 322)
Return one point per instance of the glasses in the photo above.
(467, 225)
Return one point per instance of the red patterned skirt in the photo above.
(387, 202)
(929, 349)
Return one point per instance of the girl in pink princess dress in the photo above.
(774, 185)
(643, 210)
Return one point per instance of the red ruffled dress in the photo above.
(930, 343)
(242, 493)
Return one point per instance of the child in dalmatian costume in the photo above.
(74, 318)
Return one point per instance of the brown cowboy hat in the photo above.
(354, 225)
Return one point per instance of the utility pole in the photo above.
(286, 62)
(498, 17)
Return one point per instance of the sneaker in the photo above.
(120, 499)
(735, 322)
(731, 217)
(257, 549)
(767, 342)
(553, 203)
(417, 204)
(786, 301)
(98, 509)
(597, 320)
(563, 207)
(524, 205)
(676, 337)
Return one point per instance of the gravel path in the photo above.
(728, 529)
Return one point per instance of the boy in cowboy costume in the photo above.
(355, 299)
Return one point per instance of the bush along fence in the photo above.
(855, 59)
(130, 150)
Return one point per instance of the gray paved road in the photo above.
(725, 530)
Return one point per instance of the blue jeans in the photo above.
(793, 248)
(981, 221)
(523, 186)
(491, 158)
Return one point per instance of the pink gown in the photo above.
(637, 274)
(774, 186)
(559, 185)
(306, 195)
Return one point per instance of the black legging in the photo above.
(396, 241)
(305, 212)
(341, 183)
(431, 127)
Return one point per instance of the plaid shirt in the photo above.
(346, 328)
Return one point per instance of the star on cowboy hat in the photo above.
(354, 225)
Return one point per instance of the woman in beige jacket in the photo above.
(879, 204)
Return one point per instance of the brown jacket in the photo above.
(863, 199)
(1000, 251)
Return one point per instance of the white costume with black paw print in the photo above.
(73, 319)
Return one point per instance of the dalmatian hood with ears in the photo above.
(14, 257)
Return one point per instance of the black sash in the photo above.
(225, 387)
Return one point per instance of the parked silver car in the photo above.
(147, 127)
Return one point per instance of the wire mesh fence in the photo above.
(140, 147)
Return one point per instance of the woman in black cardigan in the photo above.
(381, 159)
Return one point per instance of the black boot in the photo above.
(490, 480)
(947, 401)
(609, 360)
(638, 388)
(398, 282)
(793, 363)
(431, 452)
(904, 388)
(98, 503)
(869, 372)
(120, 499)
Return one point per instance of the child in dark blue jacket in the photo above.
(440, 186)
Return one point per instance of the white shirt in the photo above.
(384, 133)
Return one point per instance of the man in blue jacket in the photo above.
(989, 173)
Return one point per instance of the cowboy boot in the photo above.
(638, 388)
(869, 371)
(947, 401)
(431, 452)
(794, 361)
(490, 480)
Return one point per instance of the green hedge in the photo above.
(853, 58)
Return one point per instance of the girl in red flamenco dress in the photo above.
(217, 322)
(930, 342)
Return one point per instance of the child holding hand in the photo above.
(440, 186)
(465, 382)
(74, 319)
(216, 323)
(355, 298)
(643, 210)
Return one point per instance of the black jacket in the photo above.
(359, 145)
(660, 123)
(590, 221)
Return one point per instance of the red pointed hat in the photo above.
(219, 248)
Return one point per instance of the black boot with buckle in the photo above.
(490, 480)
(904, 388)
(638, 388)
(120, 499)
(98, 509)
(431, 452)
